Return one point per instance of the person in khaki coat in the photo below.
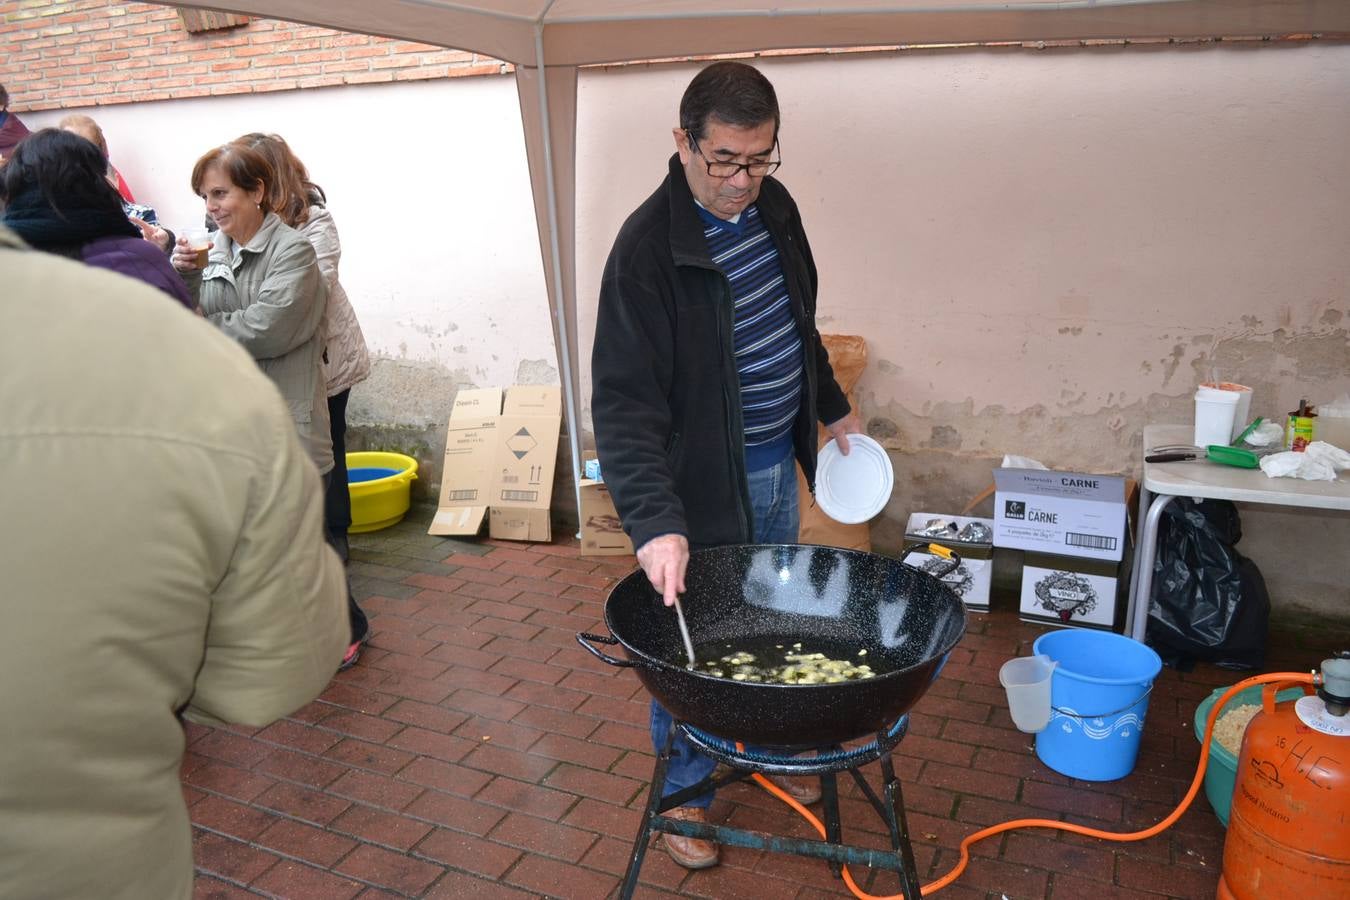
(161, 555)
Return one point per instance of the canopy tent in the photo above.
(547, 40)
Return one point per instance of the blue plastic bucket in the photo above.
(1098, 699)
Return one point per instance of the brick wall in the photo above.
(69, 53)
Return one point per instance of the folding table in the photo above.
(1203, 479)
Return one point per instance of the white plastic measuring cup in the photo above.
(1026, 680)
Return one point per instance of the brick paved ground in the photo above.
(476, 751)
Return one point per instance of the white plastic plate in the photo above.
(854, 488)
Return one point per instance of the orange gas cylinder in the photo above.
(1289, 829)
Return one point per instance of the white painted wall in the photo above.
(428, 184)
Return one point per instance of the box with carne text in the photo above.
(1062, 513)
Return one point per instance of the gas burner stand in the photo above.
(827, 763)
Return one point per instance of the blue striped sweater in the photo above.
(767, 347)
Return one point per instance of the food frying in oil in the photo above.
(786, 663)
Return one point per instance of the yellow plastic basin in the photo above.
(378, 484)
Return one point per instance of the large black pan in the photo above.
(841, 601)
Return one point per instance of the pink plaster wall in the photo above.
(1066, 231)
(1044, 249)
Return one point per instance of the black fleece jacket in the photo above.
(666, 398)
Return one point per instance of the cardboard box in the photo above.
(499, 463)
(601, 532)
(1061, 513)
(972, 579)
(1071, 591)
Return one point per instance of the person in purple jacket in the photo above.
(12, 129)
(58, 199)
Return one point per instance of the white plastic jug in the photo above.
(1026, 680)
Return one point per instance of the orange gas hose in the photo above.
(939, 884)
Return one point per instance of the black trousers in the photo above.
(337, 506)
(337, 503)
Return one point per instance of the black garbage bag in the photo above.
(1209, 602)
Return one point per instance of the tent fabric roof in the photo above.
(584, 32)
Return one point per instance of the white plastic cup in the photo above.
(1244, 408)
(1026, 680)
(1215, 415)
(199, 242)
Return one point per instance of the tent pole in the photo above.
(559, 297)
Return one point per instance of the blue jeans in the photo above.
(773, 499)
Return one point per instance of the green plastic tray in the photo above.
(1233, 456)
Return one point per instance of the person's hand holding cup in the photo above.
(192, 250)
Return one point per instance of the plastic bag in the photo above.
(1267, 434)
(1022, 462)
(1209, 602)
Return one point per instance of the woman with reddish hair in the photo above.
(262, 286)
(303, 205)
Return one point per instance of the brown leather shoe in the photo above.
(805, 789)
(691, 853)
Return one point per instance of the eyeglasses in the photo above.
(720, 169)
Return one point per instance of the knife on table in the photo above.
(1171, 457)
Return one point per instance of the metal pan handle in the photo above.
(584, 640)
(951, 556)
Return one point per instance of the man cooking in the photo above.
(708, 372)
